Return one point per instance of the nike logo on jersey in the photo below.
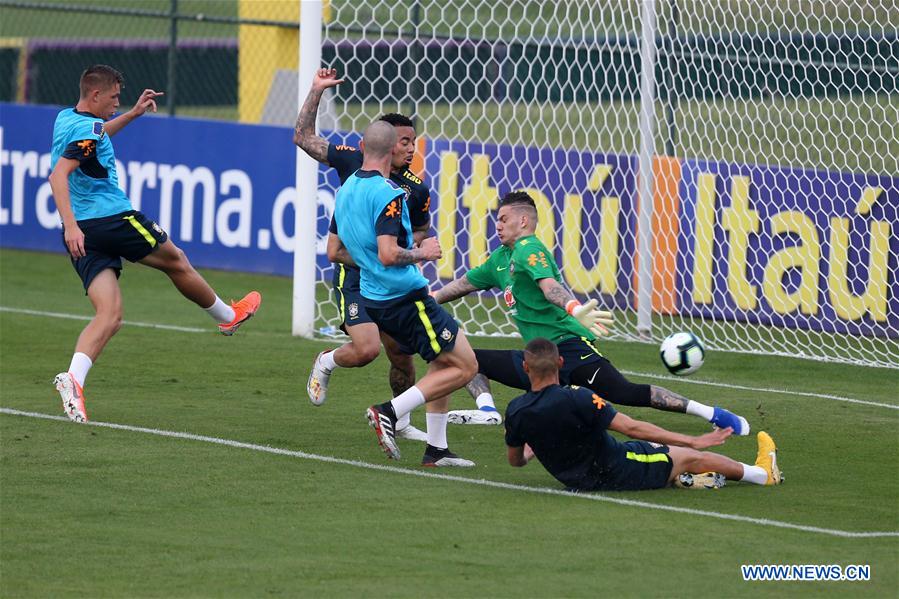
(592, 378)
(500, 268)
(587, 356)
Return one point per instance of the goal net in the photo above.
(737, 176)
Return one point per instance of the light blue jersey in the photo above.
(94, 185)
(369, 205)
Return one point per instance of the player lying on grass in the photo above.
(372, 221)
(100, 227)
(566, 428)
(542, 307)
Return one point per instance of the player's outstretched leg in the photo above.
(168, 258)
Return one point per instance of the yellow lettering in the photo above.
(704, 243)
(739, 221)
(874, 300)
(446, 214)
(480, 199)
(604, 274)
(805, 257)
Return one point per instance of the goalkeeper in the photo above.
(542, 307)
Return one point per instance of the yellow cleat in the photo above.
(767, 458)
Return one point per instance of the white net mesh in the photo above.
(776, 176)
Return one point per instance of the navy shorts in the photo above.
(508, 369)
(416, 322)
(130, 235)
(644, 466)
(348, 297)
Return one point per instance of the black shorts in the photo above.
(350, 303)
(130, 235)
(582, 365)
(644, 466)
(416, 322)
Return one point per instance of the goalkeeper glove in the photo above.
(592, 319)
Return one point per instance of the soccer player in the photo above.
(541, 307)
(100, 227)
(372, 221)
(566, 428)
(365, 340)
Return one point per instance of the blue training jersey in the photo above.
(368, 205)
(94, 185)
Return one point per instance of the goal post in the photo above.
(730, 168)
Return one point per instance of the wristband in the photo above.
(571, 305)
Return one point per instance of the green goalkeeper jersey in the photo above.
(517, 271)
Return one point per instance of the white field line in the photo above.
(471, 481)
(147, 325)
(628, 372)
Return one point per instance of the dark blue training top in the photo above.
(566, 428)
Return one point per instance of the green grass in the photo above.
(100, 512)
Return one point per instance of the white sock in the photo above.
(403, 421)
(220, 311)
(485, 400)
(407, 401)
(754, 474)
(700, 409)
(437, 430)
(328, 362)
(79, 366)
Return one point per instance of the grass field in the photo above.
(101, 511)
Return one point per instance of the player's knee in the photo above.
(368, 353)
(469, 368)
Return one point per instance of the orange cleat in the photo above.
(243, 311)
(72, 397)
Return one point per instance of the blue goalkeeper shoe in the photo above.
(723, 419)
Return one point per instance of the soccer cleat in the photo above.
(72, 397)
(706, 480)
(317, 384)
(411, 433)
(723, 418)
(243, 311)
(384, 424)
(439, 458)
(767, 459)
(481, 416)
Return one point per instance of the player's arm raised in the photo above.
(304, 131)
(637, 429)
(146, 102)
(595, 320)
(391, 254)
(59, 183)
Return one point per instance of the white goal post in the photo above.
(763, 135)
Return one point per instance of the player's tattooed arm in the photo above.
(663, 399)
(555, 293)
(478, 385)
(337, 252)
(304, 131)
(455, 290)
(391, 254)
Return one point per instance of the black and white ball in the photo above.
(682, 353)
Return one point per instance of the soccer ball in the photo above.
(682, 353)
